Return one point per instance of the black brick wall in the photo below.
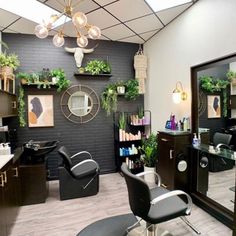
(95, 136)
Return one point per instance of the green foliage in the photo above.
(149, 150)
(22, 75)
(212, 85)
(62, 82)
(21, 107)
(109, 99)
(122, 121)
(10, 60)
(132, 91)
(231, 75)
(96, 67)
(4, 44)
(140, 112)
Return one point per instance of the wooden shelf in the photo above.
(90, 75)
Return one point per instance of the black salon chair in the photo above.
(78, 175)
(155, 205)
(217, 163)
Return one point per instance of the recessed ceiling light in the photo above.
(158, 5)
(31, 10)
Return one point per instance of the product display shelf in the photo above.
(127, 142)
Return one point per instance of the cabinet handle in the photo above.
(5, 177)
(14, 104)
(16, 172)
(2, 181)
(164, 140)
(163, 185)
(171, 153)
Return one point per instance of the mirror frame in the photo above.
(76, 118)
(217, 210)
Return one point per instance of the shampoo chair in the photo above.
(78, 175)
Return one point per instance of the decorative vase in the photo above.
(150, 178)
(6, 70)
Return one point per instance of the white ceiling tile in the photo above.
(84, 6)
(168, 15)
(133, 39)
(117, 32)
(145, 24)
(6, 18)
(105, 2)
(102, 19)
(128, 10)
(23, 26)
(147, 35)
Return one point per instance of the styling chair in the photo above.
(217, 163)
(155, 205)
(78, 175)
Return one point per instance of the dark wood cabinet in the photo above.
(8, 104)
(173, 159)
(3, 228)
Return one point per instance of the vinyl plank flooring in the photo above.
(67, 218)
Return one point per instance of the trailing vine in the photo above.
(21, 107)
(212, 85)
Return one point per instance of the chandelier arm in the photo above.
(180, 84)
(62, 28)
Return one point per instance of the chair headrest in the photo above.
(221, 138)
(64, 153)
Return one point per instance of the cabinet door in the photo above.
(8, 104)
(3, 228)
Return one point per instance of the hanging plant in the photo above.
(21, 107)
(212, 85)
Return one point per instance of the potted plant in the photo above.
(149, 154)
(120, 87)
(96, 67)
(8, 63)
(21, 107)
(231, 75)
(23, 77)
(109, 99)
(132, 90)
(60, 79)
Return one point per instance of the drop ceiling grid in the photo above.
(7, 18)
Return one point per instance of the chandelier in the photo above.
(79, 21)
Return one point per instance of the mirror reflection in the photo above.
(217, 126)
(80, 103)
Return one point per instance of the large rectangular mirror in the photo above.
(214, 116)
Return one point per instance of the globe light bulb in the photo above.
(94, 32)
(51, 20)
(79, 19)
(58, 40)
(176, 96)
(41, 31)
(82, 41)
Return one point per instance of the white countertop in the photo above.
(4, 159)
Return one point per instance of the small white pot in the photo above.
(121, 89)
(54, 80)
(149, 178)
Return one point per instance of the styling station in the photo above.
(117, 117)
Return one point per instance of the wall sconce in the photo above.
(178, 93)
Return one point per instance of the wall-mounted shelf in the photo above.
(93, 76)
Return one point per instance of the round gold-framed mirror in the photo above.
(80, 104)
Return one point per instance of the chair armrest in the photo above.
(80, 153)
(151, 172)
(172, 194)
(85, 161)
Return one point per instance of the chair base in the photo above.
(74, 188)
(153, 230)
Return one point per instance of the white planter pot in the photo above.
(149, 178)
(121, 89)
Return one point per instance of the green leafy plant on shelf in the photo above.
(61, 82)
(149, 150)
(96, 67)
(122, 121)
(212, 85)
(23, 77)
(21, 108)
(109, 99)
(132, 90)
(9, 60)
(231, 75)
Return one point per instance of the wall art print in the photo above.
(40, 111)
(213, 106)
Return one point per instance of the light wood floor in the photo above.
(67, 218)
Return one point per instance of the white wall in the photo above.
(204, 32)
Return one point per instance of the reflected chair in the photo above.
(78, 175)
(155, 205)
(217, 163)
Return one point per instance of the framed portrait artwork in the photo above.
(213, 106)
(40, 111)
